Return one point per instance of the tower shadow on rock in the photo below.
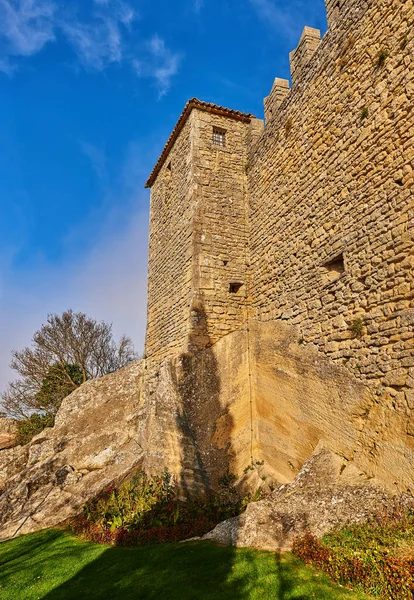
(199, 388)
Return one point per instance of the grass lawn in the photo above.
(55, 565)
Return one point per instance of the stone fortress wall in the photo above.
(170, 264)
(280, 295)
(198, 232)
(331, 197)
(311, 215)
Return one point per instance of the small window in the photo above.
(219, 136)
(167, 174)
(235, 287)
(334, 268)
(336, 264)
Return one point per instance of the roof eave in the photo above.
(204, 106)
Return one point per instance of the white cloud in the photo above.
(97, 45)
(160, 63)
(105, 38)
(97, 157)
(109, 284)
(287, 18)
(7, 67)
(274, 14)
(126, 14)
(25, 27)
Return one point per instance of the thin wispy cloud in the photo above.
(158, 62)
(7, 67)
(97, 45)
(284, 17)
(97, 158)
(103, 39)
(108, 282)
(25, 26)
(166, 63)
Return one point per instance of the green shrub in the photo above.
(377, 557)
(148, 509)
(28, 428)
(382, 57)
(357, 327)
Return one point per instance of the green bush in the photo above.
(148, 509)
(357, 327)
(28, 428)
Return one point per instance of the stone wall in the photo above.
(170, 250)
(331, 202)
(220, 229)
(197, 286)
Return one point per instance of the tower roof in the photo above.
(214, 109)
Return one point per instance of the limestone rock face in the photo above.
(257, 401)
(326, 494)
(301, 397)
(12, 461)
(7, 433)
(92, 445)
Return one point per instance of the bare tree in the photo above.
(65, 352)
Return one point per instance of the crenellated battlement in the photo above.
(278, 93)
(300, 57)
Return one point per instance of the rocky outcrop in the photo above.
(7, 434)
(328, 493)
(12, 461)
(257, 401)
(92, 445)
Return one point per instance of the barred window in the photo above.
(219, 136)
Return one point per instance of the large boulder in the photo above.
(92, 444)
(327, 493)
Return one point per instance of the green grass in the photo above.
(55, 565)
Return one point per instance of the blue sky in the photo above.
(89, 92)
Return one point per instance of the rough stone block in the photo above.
(300, 57)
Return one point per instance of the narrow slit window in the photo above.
(235, 287)
(219, 136)
(334, 268)
(168, 173)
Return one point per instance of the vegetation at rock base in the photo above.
(148, 510)
(28, 428)
(65, 352)
(54, 565)
(377, 557)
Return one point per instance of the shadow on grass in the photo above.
(171, 571)
(180, 572)
(54, 565)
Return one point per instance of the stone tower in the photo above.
(197, 285)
